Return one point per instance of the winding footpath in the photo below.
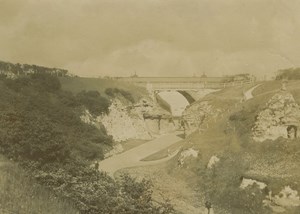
(133, 157)
(248, 94)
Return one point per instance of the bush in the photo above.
(94, 102)
(46, 82)
(33, 138)
(290, 74)
(113, 92)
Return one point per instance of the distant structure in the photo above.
(203, 75)
(134, 75)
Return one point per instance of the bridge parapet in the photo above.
(185, 83)
(192, 86)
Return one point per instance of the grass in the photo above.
(165, 152)
(78, 84)
(20, 194)
(231, 141)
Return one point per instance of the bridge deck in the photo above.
(184, 83)
(191, 86)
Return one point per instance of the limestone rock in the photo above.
(199, 114)
(212, 161)
(287, 197)
(280, 112)
(185, 154)
(123, 124)
(249, 182)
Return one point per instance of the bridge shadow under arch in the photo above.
(187, 96)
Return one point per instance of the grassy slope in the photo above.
(19, 194)
(230, 140)
(41, 131)
(78, 84)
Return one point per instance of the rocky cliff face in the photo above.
(280, 113)
(199, 114)
(125, 122)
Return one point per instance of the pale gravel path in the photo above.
(248, 94)
(133, 157)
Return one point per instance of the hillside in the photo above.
(230, 160)
(78, 84)
(41, 130)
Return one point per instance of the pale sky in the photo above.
(152, 37)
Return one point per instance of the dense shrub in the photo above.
(41, 129)
(290, 74)
(113, 92)
(33, 137)
(94, 102)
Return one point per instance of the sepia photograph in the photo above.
(149, 107)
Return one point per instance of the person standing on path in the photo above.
(208, 207)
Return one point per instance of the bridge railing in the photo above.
(195, 86)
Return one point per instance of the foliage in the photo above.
(21, 194)
(113, 92)
(41, 129)
(94, 102)
(32, 137)
(20, 69)
(94, 192)
(289, 74)
(222, 183)
(46, 82)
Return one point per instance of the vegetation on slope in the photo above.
(21, 194)
(289, 74)
(229, 138)
(23, 69)
(78, 84)
(114, 92)
(41, 129)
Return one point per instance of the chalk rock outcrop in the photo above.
(123, 123)
(199, 114)
(285, 199)
(280, 112)
(185, 154)
(250, 182)
(212, 161)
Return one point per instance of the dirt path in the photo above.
(133, 157)
(248, 94)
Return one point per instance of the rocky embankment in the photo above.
(280, 118)
(142, 120)
(198, 115)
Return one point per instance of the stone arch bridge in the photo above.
(184, 83)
